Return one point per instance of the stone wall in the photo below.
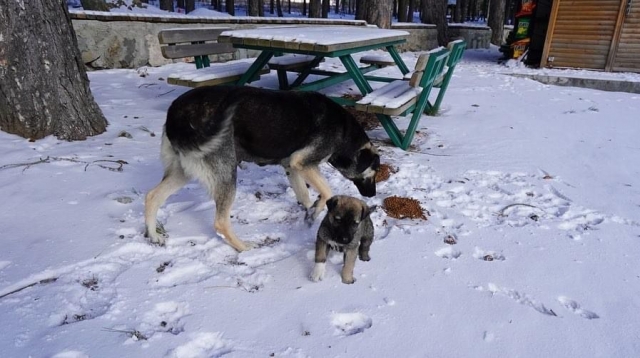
(121, 40)
(422, 36)
(476, 36)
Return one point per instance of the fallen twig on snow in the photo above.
(42, 282)
(501, 211)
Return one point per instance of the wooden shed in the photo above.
(593, 34)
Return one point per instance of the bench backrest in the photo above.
(429, 66)
(193, 42)
(456, 48)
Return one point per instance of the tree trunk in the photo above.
(230, 7)
(94, 5)
(304, 7)
(337, 10)
(435, 12)
(315, 8)
(190, 5)
(279, 8)
(402, 10)
(260, 7)
(378, 12)
(325, 9)
(44, 88)
(496, 20)
(166, 5)
(361, 9)
(180, 4)
(253, 8)
(412, 9)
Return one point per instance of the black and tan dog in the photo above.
(210, 130)
(347, 228)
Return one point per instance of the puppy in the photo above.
(347, 227)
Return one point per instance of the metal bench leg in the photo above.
(255, 68)
(443, 89)
(283, 81)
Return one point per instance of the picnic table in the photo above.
(306, 47)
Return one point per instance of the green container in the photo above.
(522, 28)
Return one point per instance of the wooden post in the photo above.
(613, 49)
(550, 30)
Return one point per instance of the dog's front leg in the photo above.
(321, 260)
(314, 178)
(299, 187)
(350, 256)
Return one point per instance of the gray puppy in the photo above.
(347, 228)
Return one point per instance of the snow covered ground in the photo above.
(538, 185)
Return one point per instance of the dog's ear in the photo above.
(367, 210)
(367, 159)
(332, 202)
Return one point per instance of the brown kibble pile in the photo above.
(368, 121)
(385, 172)
(401, 208)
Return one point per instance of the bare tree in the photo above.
(361, 9)
(402, 10)
(412, 9)
(167, 5)
(230, 7)
(95, 5)
(190, 5)
(180, 4)
(279, 8)
(44, 88)
(315, 8)
(496, 20)
(253, 7)
(378, 12)
(435, 12)
(325, 9)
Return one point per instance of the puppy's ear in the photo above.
(367, 159)
(332, 202)
(367, 210)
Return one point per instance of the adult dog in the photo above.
(210, 130)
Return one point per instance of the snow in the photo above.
(539, 186)
(335, 35)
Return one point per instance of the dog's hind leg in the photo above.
(174, 178)
(217, 172)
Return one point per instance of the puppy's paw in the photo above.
(318, 272)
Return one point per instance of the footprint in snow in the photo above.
(203, 344)
(348, 324)
(448, 252)
(574, 307)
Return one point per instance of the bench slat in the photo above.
(180, 51)
(214, 75)
(173, 36)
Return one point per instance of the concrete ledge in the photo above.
(592, 83)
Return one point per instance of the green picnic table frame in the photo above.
(343, 51)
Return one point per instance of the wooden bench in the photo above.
(379, 61)
(293, 63)
(401, 98)
(199, 43)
